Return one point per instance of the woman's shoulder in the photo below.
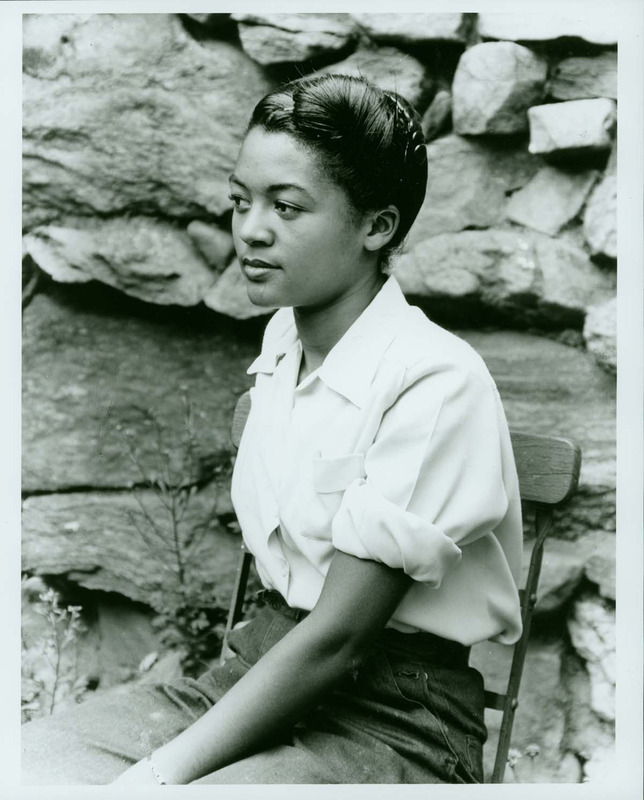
(424, 348)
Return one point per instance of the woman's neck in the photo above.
(321, 328)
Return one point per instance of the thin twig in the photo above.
(56, 670)
(29, 292)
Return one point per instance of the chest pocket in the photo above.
(331, 476)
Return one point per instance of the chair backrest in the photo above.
(548, 469)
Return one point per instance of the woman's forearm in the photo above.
(357, 599)
(272, 696)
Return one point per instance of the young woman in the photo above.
(374, 484)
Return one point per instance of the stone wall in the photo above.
(137, 329)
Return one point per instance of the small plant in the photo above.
(166, 521)
(193, 624)
(50, 665)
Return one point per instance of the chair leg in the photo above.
(237, 599)
(543, 522)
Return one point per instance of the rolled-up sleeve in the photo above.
(434, 477)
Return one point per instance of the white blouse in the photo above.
(396, 449)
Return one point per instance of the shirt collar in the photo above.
(276, 347)
(351, 364)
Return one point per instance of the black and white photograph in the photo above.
(317, 397)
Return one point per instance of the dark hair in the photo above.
(370, 142)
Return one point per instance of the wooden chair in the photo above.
(548, 469)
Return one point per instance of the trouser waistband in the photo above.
(420, 646)
(275, 600)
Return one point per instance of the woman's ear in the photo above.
(383, 225)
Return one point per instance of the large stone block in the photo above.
(551, 389)
(438, 115)
(144, 258)
(600, 567)
(593, 506)
(123, 542)
(390, 69)
(469, 181)
(126, 113)
(596, 28)
(592, 632)
(600, 333)
(585, 77)
(575, 126)
(412, 28)
(600, 218)
(589, 737)
(525, 274)
(551, 199)
(279, 38)
(565, 563)
(93, 374)
(214, 243)
(494, 86)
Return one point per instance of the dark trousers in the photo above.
(412, 713)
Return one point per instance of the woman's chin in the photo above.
(260, 295)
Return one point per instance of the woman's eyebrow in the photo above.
(280, 187)
(274, 187)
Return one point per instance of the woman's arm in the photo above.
(358, 598)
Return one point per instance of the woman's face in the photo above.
(297, 239)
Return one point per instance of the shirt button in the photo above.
(284, 571)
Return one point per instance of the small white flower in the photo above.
(532, 750)
(148, 661)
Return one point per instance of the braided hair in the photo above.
(368, 141)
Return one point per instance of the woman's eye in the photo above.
(239, 203)
(285, 210)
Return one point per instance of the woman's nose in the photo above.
(254, 227)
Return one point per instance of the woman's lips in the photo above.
(256, 269)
